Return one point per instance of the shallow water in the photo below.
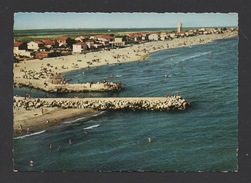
(202, 138)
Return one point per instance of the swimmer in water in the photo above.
(149, 140)
(31, 163)
(70, 141)
(59, 148)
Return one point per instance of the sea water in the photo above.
(202, 138)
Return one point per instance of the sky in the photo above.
(122, 20)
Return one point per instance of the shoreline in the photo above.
(35, 121)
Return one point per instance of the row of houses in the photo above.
(81, 44)
(141, 37)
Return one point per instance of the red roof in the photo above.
(17, 44)
(48, 42)
(106, 37)
(39, 42)
(62, 38)
(80, 43)
(135, 35)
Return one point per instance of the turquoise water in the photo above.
(202, 138)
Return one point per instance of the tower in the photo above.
(179, 27)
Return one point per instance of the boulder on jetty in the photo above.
(153, 104)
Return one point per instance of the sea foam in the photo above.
(31, 134)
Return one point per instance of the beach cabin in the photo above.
(153, 37)
(106, 37)
(136, 37)
(35, 45)
(81, 38)
(98, 45)
(64, 41)
(172, 35)
(163, 36)
(103, 41)
(89, 43)
(143, 37)
(48, 43)
(79, 47)
(20, 46)
(19, 49)
(118, 42)
(181, 34)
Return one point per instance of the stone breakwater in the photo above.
(147, 103)
(68, 88)
(50, 81)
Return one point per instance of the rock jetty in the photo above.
(50, 81)
(147, 103)
(68, 88)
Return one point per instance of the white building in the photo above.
(19, 49)
(172, 35)
(35, 46)
(163, 36)
(153, 37)
(103, 41)
(79, 47)
(117, 42)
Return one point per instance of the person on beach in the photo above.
(91, 84)
(20, 128)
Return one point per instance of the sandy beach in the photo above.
(34, 120)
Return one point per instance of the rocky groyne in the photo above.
(50, 81)
(68, 88)
(147, 103)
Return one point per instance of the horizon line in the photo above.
(124, 28)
